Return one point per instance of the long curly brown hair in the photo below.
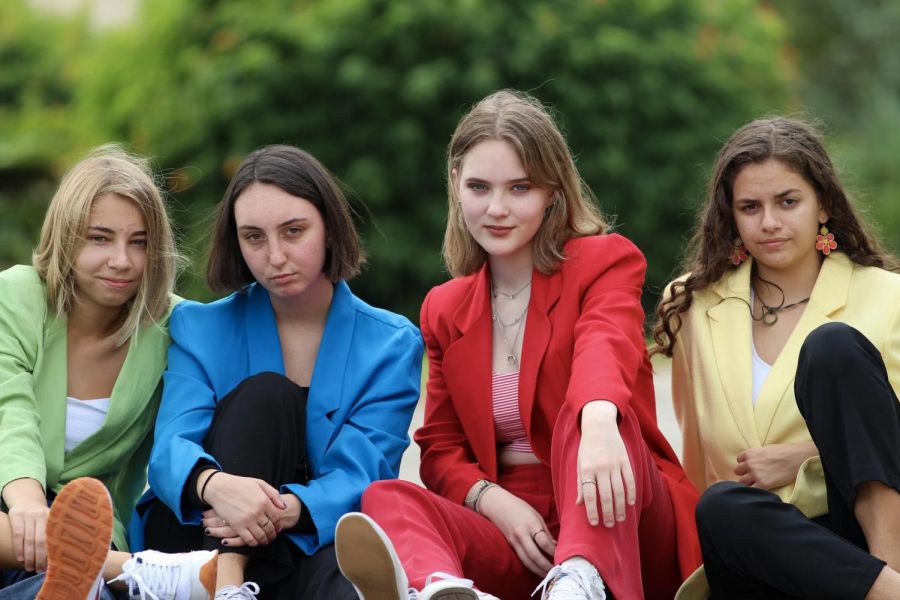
(798, 146)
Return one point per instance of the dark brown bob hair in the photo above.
(298, 173)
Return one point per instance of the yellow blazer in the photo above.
(712, 378)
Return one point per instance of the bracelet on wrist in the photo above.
(206, 483)
(487, 485)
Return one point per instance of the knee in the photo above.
(263, 392)
(833, 348)
(390, 495)
(724, 508)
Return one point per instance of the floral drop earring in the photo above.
(738, 253)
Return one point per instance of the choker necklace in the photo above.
(495, 291)
(510, 346)
(770, 313)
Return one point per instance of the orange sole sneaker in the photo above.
(79, 532)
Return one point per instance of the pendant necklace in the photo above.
(518, 323)
(770, 313)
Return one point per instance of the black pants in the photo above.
(259, 430)
(756, 546)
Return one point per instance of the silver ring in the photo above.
(590, 481)
(266, 523)
(534, 535)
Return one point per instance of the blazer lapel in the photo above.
(467, 371)
(545, 292)
(263, 343)
(829, 295)
(327, 383)
(730, 330)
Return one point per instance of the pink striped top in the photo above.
(508, 425)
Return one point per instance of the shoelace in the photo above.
(148, 576)
(573, 583)
(413, 593)
(247, 591)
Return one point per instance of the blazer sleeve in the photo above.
(21, 329)
(369, 443)
(448, 465)
(185, 415)
(892, 352)
(609, 331)
(685, 408)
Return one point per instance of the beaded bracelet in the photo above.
(205, 483)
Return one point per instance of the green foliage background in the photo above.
(646, 91)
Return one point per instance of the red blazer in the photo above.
(584, 341)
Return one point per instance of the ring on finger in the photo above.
(263, 525)
(534, 535)
(588, 481)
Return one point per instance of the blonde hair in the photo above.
(107, 170)
(519, 119)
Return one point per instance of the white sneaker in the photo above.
(443, 586)
(367, 559)
(163, 576)
(247, 591)
(572, 582)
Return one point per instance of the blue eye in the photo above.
(521, 187)
(480, 187)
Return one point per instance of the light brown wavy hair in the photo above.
(108, 169)
(797, 145)
(520, 119)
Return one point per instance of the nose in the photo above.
(497, 206)
(119, 259)
(770, 220)
(276, 253)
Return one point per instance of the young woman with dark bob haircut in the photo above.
(540, 450)
(283, 400)
(83, 339)
(785, 340)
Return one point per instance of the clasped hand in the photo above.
(247, 511)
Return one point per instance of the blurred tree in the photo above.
(646, 90)
(849, 65)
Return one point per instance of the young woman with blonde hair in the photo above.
(785, 340)
(83, 339)
(540, 450)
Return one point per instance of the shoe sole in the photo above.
(79, 532)
(367, 560)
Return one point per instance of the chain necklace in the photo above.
(518, 323)
(770, 313)
(495, 291)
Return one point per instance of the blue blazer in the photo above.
(364, 389)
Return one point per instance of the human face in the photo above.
(282, 240)
(109, 265)
(778, 215)
(501, 207)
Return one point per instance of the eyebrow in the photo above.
(109, 231)
(480, 180)
(778, 195)
(282, 224)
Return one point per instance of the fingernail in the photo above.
(224, 542)
(594, 522)
(610, 523)
(206, 531)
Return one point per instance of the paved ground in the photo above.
(409, 467)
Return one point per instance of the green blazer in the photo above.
(33, 401)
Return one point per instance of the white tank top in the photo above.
(83, 419)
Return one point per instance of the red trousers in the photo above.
(635, 558)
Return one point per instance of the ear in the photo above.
(823, 215)
(454, 177)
